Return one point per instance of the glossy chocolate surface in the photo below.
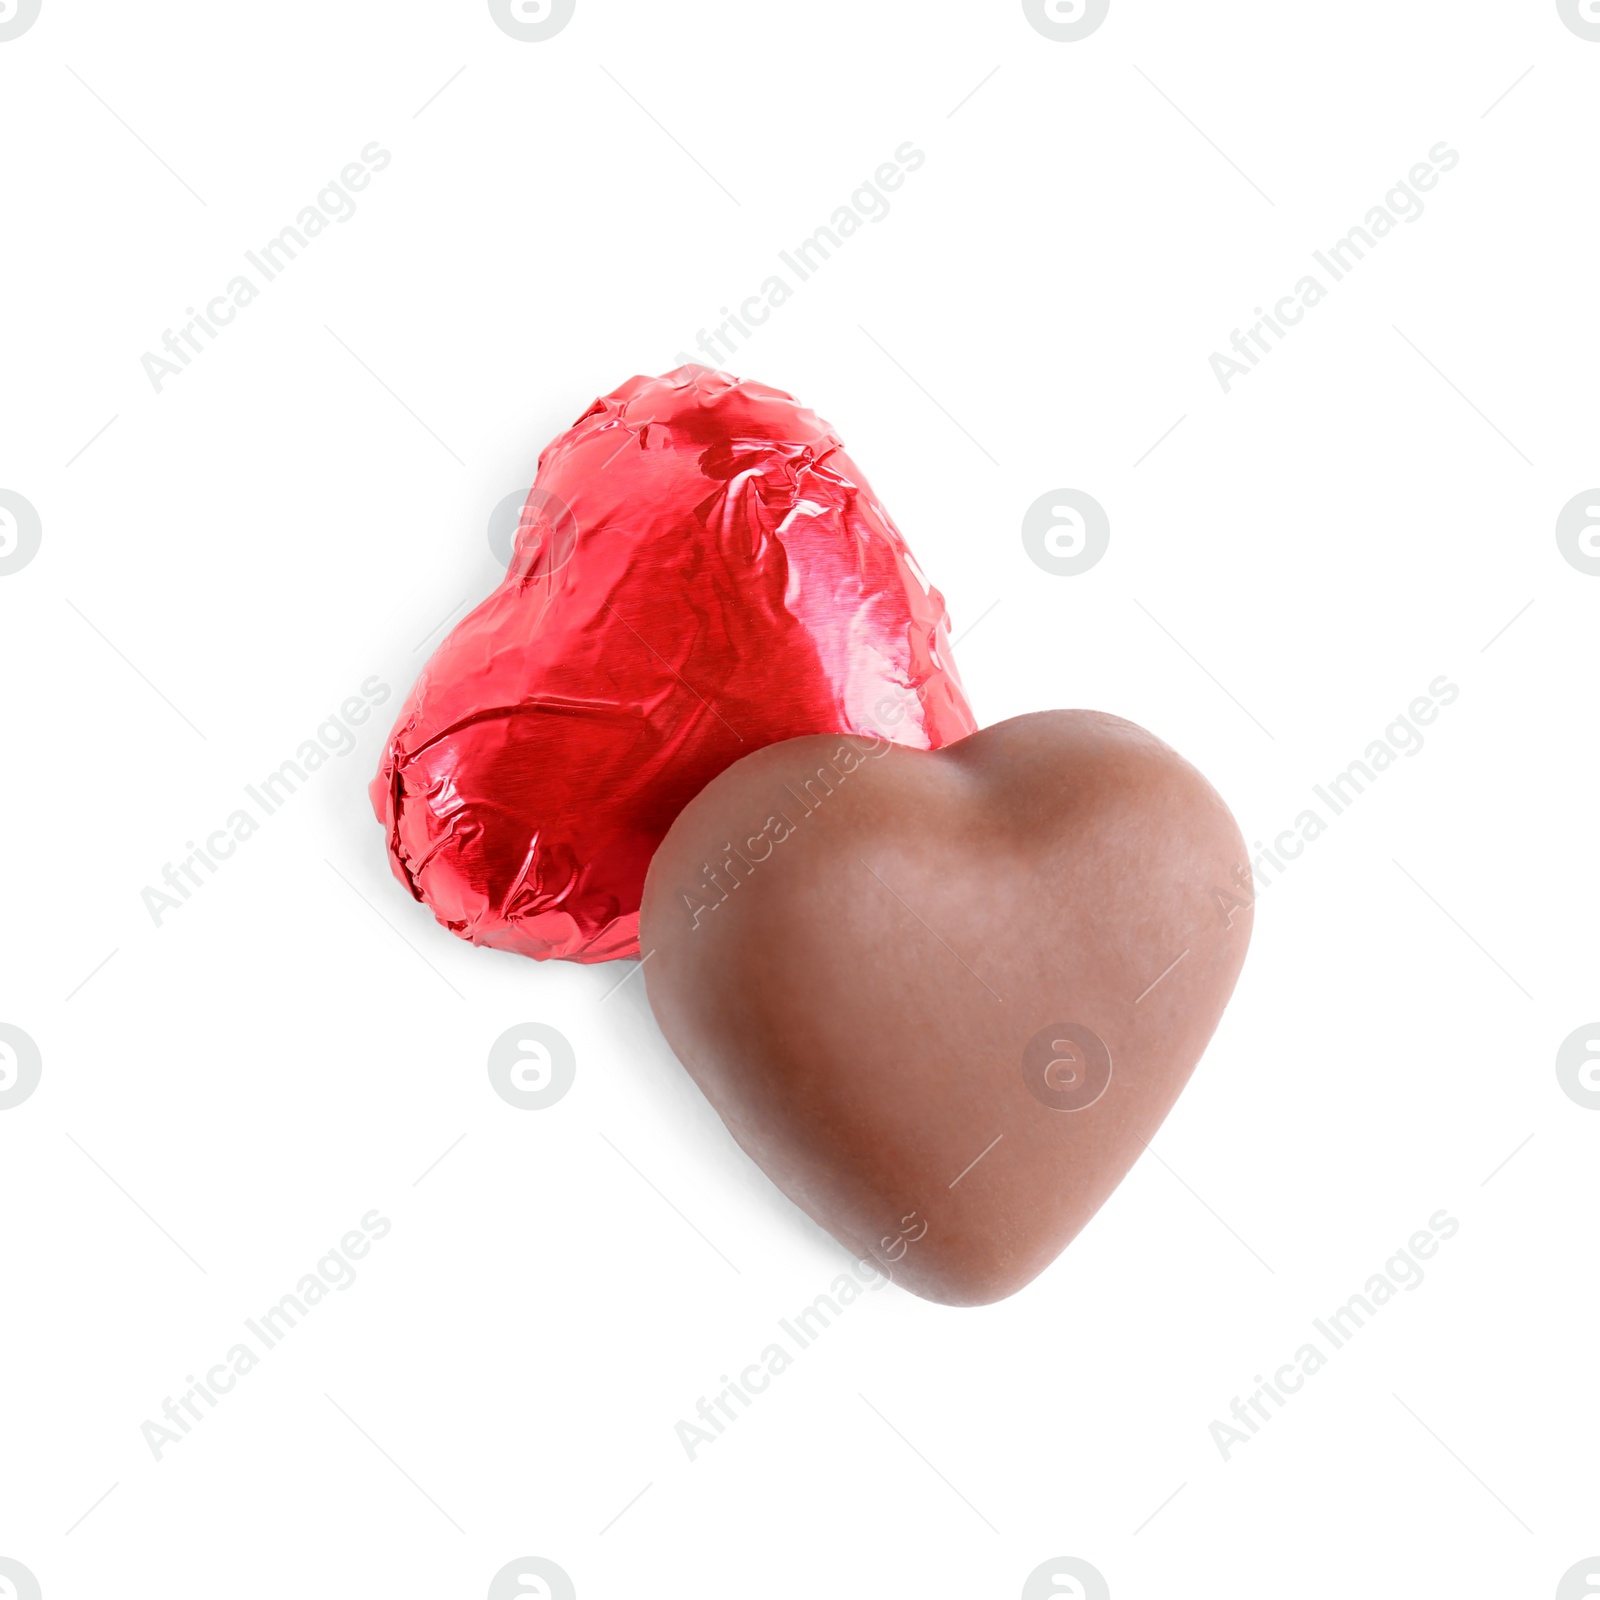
(945, 998)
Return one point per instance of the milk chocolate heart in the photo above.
(944, 999)
(700, 570)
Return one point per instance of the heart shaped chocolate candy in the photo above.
(945, 998)
(700, 571)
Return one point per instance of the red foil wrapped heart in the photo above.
(700, 571)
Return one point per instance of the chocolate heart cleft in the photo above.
(700, 571)
(944, 999)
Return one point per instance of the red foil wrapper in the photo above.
(700, 570)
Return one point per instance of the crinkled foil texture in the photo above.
(700, 570)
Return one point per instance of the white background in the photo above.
(227, 1094)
